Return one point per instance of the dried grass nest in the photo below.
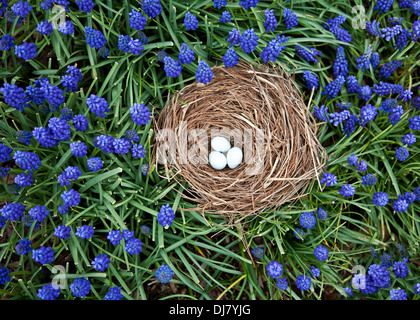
(278, 165)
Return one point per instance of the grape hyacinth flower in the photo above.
(66, 27)
(406, 95)
(152, 8)
(133, 246)
(365, 60)
(24, 180)
(258, 252)
(204, 74)
(248, 40)
(398, 294)
(321, 214)
(78, 149)
(414, 123)
(368, 113)
(94, 38)
(329, 179)
(123, 42)
(137, 20)
(60, 129)
(121, 146)
(309, 54)
(230, 58)
(190, 21)
(234, 37)
(273, 49)
(21, 9)
(219, 3)
(299, 233)
(186, 54)
(290, 19)
(85, 232)
(5, 153)
(307, 220)
(270, 22)
(400, 269)
(71, 198)
(80, 287)
(321, 253)
(94, 164)
(321, 113)
(85, 5)
(27, 160)
(23, 247)
(71, 79)
(303, 282)
(311, 80)
(137, 151)
(401, 40)
(380, 199)
(131, 135)
(333, 88)
(362, 166)
(135, 46)
(402, 154)
(98, 105)
(408, 139)
(80, 122)
(373, 28)
(338, 117)
(352, 85)
(383, 5)
(4, 172)
(44, 27)
(101, 262)
(389, 68)
(315, 272)
(140, 114)
(13, 211)
(38, 213)
(274, 269)
(347, 190)
(340, 66)
(165, 216)
(26, 51)
(365, 92)
(248, 3)
(62, 232)
(14, 96)
(114, 293)
(6, 42)
(282, 283)
(115, 237)
(369, 179)
(145, 230)
(386, 88)
(172, 67)
(389, 33)
(48, 292)
(105, 143)
(379, 275)
(43, 255)
(225, 17)
(400, 205)
(164, 274)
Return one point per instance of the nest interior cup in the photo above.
(260, 111)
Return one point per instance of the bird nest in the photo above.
(260, 111)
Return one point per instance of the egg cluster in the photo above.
(223, 154)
